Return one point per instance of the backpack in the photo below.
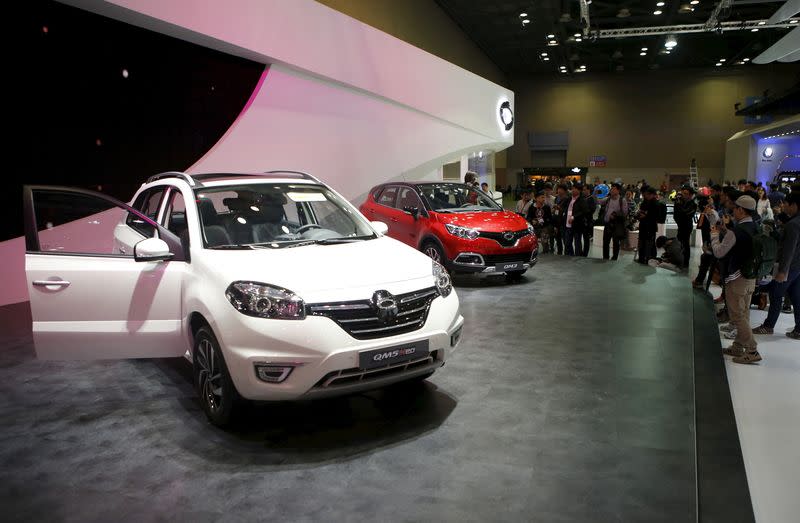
(763, 255)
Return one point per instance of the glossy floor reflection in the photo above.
(570, 399)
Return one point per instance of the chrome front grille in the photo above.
(360, 318)
(500, 237)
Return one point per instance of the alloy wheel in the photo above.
(209, 377)
(433, 253)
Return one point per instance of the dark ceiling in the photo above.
(495, 25)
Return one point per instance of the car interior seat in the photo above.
(213, 231)
(270, 219)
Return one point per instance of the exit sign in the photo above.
(597, 161)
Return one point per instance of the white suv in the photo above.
(272, 284)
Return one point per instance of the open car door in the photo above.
(88, 299)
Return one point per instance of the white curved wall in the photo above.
(342, 100)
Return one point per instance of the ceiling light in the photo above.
(642, 54)
(644, 48)
(660, 4)
(576, 169)
(579, 39)
(563, 70)
(577, 35)
(671, 42)
(739, 63)
(657, 12)
(745, 59)
(546, 59)
(551, 36)
(722, 59)
(719, 64)
(525, 21)
(552, 43)
(694, 2)
(754, 30)
(544, 54)
(523, 15)
(762, 23)
(792, 21)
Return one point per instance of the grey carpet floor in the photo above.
(569, 399)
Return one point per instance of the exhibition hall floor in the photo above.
(570, 398)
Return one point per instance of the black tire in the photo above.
(515, 275)
(434, 252)
(218, 396)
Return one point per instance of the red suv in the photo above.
(456, 225)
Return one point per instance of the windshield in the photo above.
(276, 215)
(456, 197)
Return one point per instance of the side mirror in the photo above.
(380, 227)
(150, 250)
(413, 211)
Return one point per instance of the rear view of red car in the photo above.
(456, 225)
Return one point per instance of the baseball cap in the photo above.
(746, 202)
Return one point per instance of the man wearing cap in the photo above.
(614, 210)
(738, 248)
(684, 211)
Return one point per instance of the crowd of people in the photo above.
(750, 239)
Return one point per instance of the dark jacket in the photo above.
(673, 252)
(789, 250)
(533, 218)
(684, 211)
(580, 213)
(560, 219)
(743, 248)
(656, 213)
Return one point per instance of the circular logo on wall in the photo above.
(768, 152)
(506, 115)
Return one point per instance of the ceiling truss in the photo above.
(630, 32)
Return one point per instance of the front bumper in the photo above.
(325, 358)
(483, 264)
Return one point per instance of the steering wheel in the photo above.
(306, 227)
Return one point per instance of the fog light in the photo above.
(273, 373)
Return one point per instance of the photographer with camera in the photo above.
(683, 211)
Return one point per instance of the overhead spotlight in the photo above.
(745, 59)
(577, 35)
(762, 22)
(546, 59)
(579, 39)
(642, 54)
(694, 2)
(644, 48)
(671, 42)
(551, 36)
(523, 15)
(657, 12)
(754, 30)
(525, 21)
(793, 21)
(722, 59)
(544, 54)
(719, 64)
(660, 4)
(552, 43)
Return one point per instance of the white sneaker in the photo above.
(730, 335)
(728, 327)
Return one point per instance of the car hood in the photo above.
(489, 221)
(321, 272)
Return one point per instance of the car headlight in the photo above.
(265, 301)
(462, 232)
(443, 283)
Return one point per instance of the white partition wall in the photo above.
(338, 98)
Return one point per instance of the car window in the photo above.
(388, 196)
(408, 198)
(148, 203)
(175, 217)
(75, 223)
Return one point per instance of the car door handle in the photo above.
(48, 283)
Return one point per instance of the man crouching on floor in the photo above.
(672, 259)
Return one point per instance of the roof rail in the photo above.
(301, 173)
(174, 174)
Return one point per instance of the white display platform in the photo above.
(597, 237)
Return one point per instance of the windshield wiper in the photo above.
(344, 239)
(231, 246)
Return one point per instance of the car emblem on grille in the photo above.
(386, 306)
(508, 236)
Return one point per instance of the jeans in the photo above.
(706, 263)
(573, 241)
(647, 246)
(776, 293)
(684, 237)
(558, 239)
(737, 297)
(608, 237)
